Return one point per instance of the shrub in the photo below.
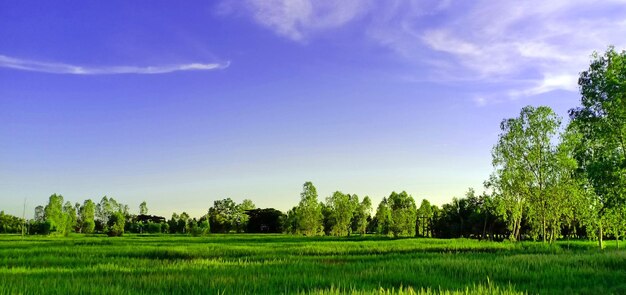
(116, 224)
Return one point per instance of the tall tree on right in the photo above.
(601, 120)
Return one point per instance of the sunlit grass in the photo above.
(270, 264)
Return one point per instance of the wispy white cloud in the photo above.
(535, 46)
(298, 19)
(480, 100)
(549, 83)
(62, 68)
(544, 42)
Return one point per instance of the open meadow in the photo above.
(277, 264)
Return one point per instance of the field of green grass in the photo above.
(277, 264)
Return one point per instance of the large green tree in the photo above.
(361, 214)
(71, 218)
(242, 218)
(116, 224)
(309, 211)
(601, 121)
(383, 218)
(524, 159)
(403, 214)
(87, 217)
(571, 195)
(223, 215)
(342, 209)
(54, 214)
(106, 208)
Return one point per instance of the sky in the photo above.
(181, 105)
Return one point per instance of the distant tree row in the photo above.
(113, 218)
(550, 181)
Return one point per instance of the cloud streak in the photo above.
(63, 68)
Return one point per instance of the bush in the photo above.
(40, 228)
(116, 225)
(200, 229)
(88, 226)
(153, 228)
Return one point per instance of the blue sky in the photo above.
(180, 105)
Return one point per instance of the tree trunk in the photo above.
(485, 227)
(513, 235)
(518, 228)
(543, 226)
(600, 235)
(519, 222)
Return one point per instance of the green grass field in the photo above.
(276, 264)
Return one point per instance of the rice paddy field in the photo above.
(282, 264)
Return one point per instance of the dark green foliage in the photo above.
(308, 213)
(149, 218)
(327, 219)
(10, 224)
(383, 218)
(71, 218)
(153, 228)
(87, 217)
(107, 208)
(39, 227)
(340, 209)
(201, 228)
(116, 224)
(425, 214)
(600, 122)
(403, 214)
(265, 221)
(54, 214)
(290, 221)
(178, 223)
(224, 216)
(361, 215)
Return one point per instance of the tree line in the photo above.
(551, 180)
